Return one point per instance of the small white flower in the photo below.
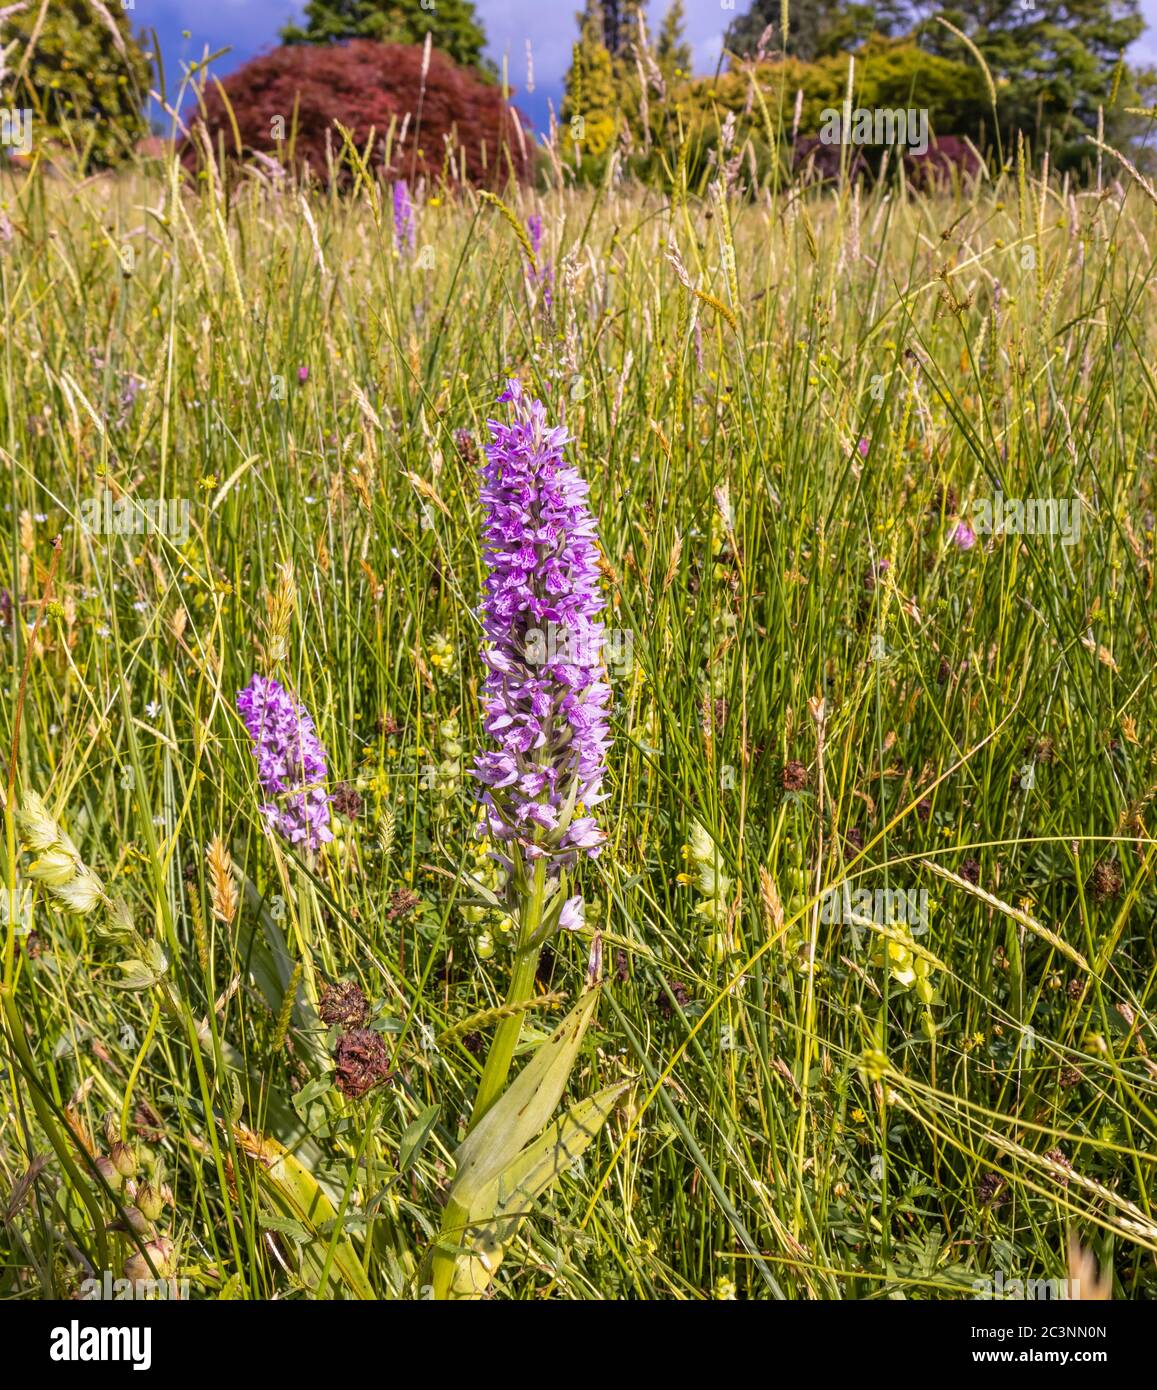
(571, 918)
(152, 709)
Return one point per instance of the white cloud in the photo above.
(706, 53)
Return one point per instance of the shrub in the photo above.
(946, 160)
(890, 74)
(86, 79)
(286, 102)
(810, 156)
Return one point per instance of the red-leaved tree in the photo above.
(287, 100)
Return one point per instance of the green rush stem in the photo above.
(496, 1071)
(51, 1129)
(8, 986)
(126, 1104)
(10, 795)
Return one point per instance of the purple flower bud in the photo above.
(303, 375)
(544, 701)
(290, 763)
(541, 277)
(404, 231)
(534, 231)
(964, 536)
(864, 445)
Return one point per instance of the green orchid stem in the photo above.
(496, 1072)
(506, 1035)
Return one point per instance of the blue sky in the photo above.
(248, 26)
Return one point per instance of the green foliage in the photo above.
(501, 1168)
(889, 73)
(785, 408)
(454, 25)
(1054, 61)
(672, 51)
(590, 101)
(86, 83)
(1053, 66)
(620, 25)
(815, 28)
(495, 1216)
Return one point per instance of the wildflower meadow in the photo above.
(580, 738)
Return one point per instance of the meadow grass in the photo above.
(785, 407)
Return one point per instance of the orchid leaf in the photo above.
(517, 1188)
(522, 1111)
(513, 1194)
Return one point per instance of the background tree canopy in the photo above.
(453, 24)
(1054, 64)
(85, 77)
(1056, 68)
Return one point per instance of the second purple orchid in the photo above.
(291, 763)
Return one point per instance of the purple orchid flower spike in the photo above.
(534, 232)
(544, 704)
(404, 229)
(540, 276)
(291, 763)
(545, 695)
